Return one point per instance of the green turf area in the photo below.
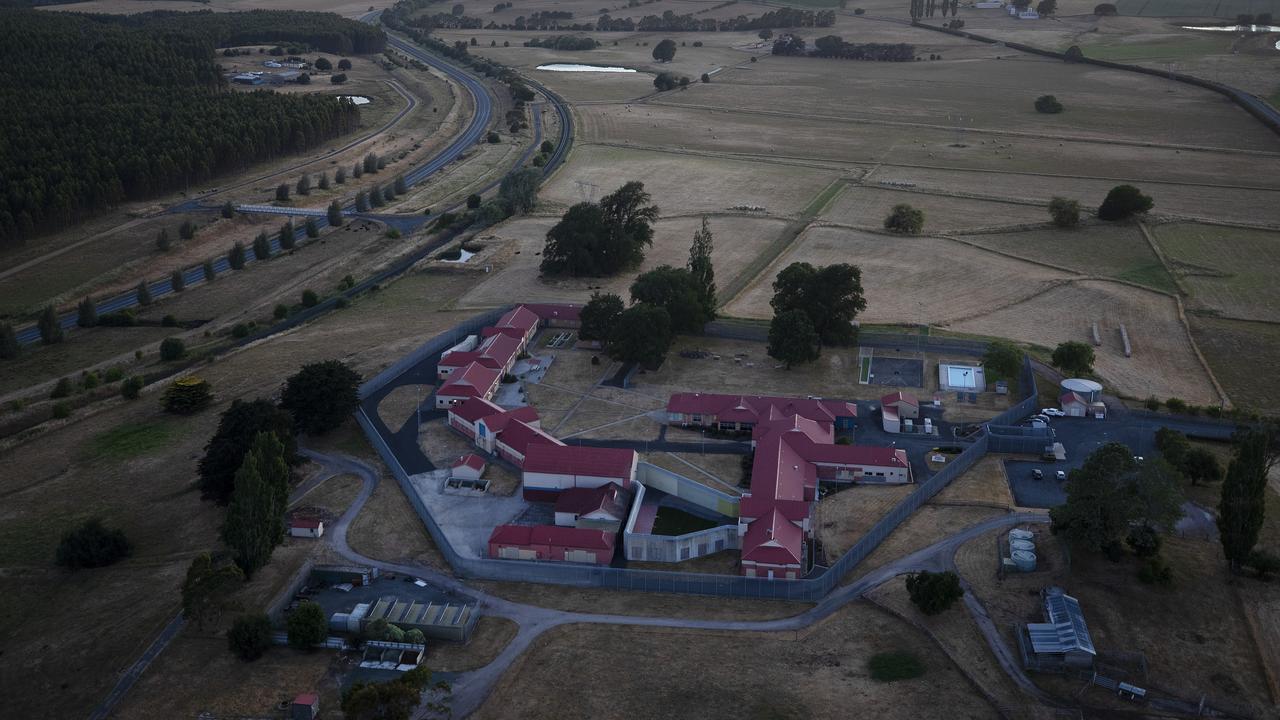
(891, 666)
(1115, 250)
(823, 199)
(1165, 50)
(671, 521)
(1240, 355)
(131, 440)
(1228, 271)
(864, 375)
(1153, 275)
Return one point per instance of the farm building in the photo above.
(440, 620)
(744, 412)
(896, 407)
(1063, 639)
(604, 507)
(305, 707)
(548, 542)
(550, 469)
(306, 527)
(247, 79)
(472, 381)
(338, 574)
(468, 467)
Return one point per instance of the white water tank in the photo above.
(1025, 560)
(1087, 389)
(1020, 534)
(1016, 544)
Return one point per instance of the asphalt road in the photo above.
(472, 135)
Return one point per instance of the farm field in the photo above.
(1114, 250)
(773, 675)
(738, 240)
(868, 206)
(1237, 351)
(1229, 271)
(901, 289)
(1163, 362)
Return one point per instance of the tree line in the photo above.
(669, 21)
(139, 111)
(833, 46)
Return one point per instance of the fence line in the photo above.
(807, 589)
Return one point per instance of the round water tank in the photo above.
(1025, 560)
(1020, 534)
(1016, 544)
(1087, 389)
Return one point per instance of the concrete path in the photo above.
(470, 689)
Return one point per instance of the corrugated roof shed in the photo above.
(1065, 631)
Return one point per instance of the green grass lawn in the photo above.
(1161, 50)
(864, 375)
(891, 666)
(671, 521)
(132, 440)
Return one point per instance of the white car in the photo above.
(1053, 412)
(1060, 475)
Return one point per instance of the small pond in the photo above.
(464, 255)
(1234, 28)
(574, 67)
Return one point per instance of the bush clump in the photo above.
(92, 545)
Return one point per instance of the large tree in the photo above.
(237, 428)
(397, 699)
(250, 636)
(307, 626)
(792, 338)
(321, 396)
(254, 523)
(676, 291)
(830, 295)
(642, 334)
(10, 348)
(594, 240)
(1073, 357)
(665, 51)
(50, 327)
(1124, 201)
(934, 592)
(599, 315)
(702, 270)
(1242, 507)
(519, 191)
(207, 589)
(1002, 361)
(1110, 494)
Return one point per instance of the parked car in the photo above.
(1061, 475)
(1042, 418)
(1053, 412)
(1036, 474)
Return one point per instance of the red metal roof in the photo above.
(1072, 398)
(313, 523)
(773, 539)
(526, 535)
(306, 699)
(522, 437)
(495, 351)
(473, 409)
(750, 408)
(899, 397)
(556, 311)
(579, 460)
(474, 380)
(471, 460)
(582, 501)
(520, 318)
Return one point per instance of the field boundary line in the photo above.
(981, 131)
(762, 262)
(805, 162)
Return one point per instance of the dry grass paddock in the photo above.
(686, 184)
(844, 517)
(816, 675)
(1163, 362)
(491, 635)
(516, 275)
(642, 604)
(868, 206)
(900, 286)
(1229, 271)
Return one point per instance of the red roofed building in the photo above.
(773, 548)
(472, 381)
(548, 542)
(496, 352)
(743, 412)
(517, 438)
(468, 467)
(520, 323)
(551, 469)
(306, 527)
(895, 407)
(567, 315)
(1074, 404)
(603, 507)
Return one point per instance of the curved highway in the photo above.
(473, 134)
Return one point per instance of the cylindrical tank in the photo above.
(1022, 545)
(1020, 534)
(339, 622)
(1087, 389)
(1025, 560)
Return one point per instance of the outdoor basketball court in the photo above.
(888, 370)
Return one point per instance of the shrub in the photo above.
(1048, 105)
(1065, 213)
(393, 233)
(547, 147)
(1265, 564)
(1156, 572)
(143, 292)
(168, 321)
(706, 78)
(92, 545)
(113, 374)
(281, 312)
(473, 201)
(130, 389)
(162, 240)
(235, 257)
(1151, 403)
(90, 380)
(187, 396)
(62, 389)
(307, 626)
(177, 281)
(1176, 405)
(239, 330)
(905, 219)
(493, 138)
(1105, 10)
(187, 230)
(172, 349)
(309, 298)
(891, 666)
(61, 410)
(1144, 541)
(282, 192)
(86, 313)
(250, 636)
(1124, 201)
(934, 592)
